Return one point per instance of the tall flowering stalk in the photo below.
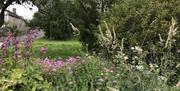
(7, 41)
(172, 32)
(30, 35)
(17, 52)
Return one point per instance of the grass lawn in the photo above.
(57, 49)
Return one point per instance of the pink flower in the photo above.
(51, 66)
(72, 60)
(44, 50)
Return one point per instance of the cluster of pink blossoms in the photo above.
(7, 41)
(11, 40)
(29, 37)
(50, 66)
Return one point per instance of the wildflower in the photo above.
(178, 51)
(72, 60)
(178, 84)
(51, 66)
(114, 83)
(70, 83)
(125, 57)
(6, 42)
(140, 67)
(101, 80)
(117, 74)
(162, 78)
(137, 48)
(44, 50)
(30, 35)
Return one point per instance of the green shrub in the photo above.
(86, 19)
(141, 21)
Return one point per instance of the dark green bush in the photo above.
(141, 21)
(86, 19)
(55, 19)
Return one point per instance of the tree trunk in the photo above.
(1, 18)
(3, 9)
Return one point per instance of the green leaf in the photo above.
(38, 77)
(17, 73)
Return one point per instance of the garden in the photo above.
(94, 45)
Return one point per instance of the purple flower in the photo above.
(50, 66)
(6, 42)
(29, 37)
(59, 63)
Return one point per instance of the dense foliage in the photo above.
(143, 24)
(140, 22)
(20, 70)
(135, 45)
(60, 13)
(55, 19)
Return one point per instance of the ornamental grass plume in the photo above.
(172, 32)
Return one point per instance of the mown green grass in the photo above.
(57, 49)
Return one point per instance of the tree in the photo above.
(5, 3)
(54, 17)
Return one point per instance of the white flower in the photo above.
(162, 78)
(118, 74)
(125, 57)
(137, 48)
(140, 67)
(132, 48)
(178, 84)
(101, 80)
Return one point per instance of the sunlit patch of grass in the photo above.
(57, 48)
